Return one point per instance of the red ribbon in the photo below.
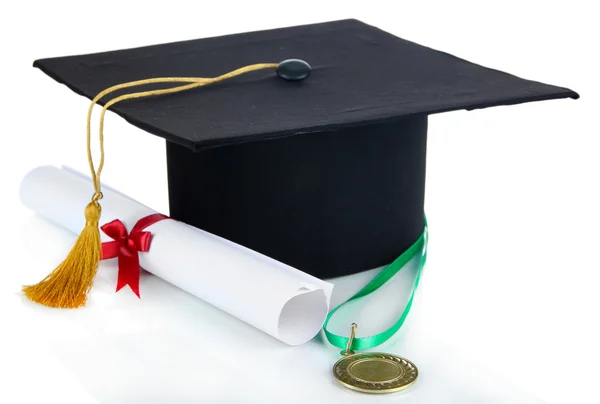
(126, 247)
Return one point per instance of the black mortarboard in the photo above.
(325, 174)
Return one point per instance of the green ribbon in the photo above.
(418, 248)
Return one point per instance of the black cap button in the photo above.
(293, 70)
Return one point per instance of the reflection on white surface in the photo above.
(170, 347)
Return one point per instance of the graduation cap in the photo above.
(324, 172)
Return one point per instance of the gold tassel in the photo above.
(68, 285)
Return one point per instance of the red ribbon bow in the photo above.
(126, 247)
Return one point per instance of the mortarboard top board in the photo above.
(326, 174)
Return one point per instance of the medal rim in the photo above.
(374, 390)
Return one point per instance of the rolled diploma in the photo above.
(280, 300)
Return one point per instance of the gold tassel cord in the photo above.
(69, 284)
(194, 82)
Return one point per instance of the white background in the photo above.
(512, 192)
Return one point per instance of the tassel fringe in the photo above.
(68, 285)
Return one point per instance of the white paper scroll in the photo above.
(282, 301)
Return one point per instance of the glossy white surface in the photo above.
(173, 347)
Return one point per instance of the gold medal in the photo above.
(374, 372)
